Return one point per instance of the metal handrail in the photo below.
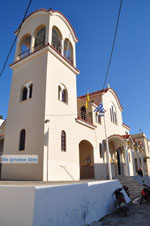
(67, 172)
(28, 51)
(85, 116)
(25, 53)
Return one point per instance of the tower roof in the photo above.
(52, 12)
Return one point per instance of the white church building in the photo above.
(46, 119)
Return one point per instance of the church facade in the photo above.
(47, 120)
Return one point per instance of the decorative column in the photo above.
(74, 55)
(32, 44)
(127, 161)
(138, 160)
(62, 47)
(48, 35)
(142, 163)
(133, 161)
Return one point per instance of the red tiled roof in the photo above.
(101, 92)
(126, 125)
(47, 10)
(94, 93)
(126, 136)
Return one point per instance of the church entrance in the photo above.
(117, 157)
(86, 160)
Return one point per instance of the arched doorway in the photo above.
(119, 163)
(86, 160)
(117, 157)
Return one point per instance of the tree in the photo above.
(1, 117)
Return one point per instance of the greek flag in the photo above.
(100, 109)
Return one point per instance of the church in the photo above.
(48, 122)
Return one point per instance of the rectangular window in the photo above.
(100, 150)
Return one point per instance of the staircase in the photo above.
(134, 187)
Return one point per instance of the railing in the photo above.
(87, 117)
(41, 44)
(35, 48)
(67, 172)
(86, 172)
(24, 54)
(57, 47)
(28, 51)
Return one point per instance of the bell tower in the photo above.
(43, 94)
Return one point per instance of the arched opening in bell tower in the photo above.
(68, 51)
(56, 39)
(40, 37)
(25, 44)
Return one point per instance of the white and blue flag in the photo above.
(100, 109)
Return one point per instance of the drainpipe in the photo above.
(107, 150)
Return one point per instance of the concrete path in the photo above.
(138, 215)
(43, 183)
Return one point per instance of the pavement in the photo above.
(138, 215)
(42, 183)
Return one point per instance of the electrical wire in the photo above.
(112, 49)
(3, 68)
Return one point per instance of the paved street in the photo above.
(138, 215)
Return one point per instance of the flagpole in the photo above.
(107, 150)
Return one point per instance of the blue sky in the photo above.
(94, 23)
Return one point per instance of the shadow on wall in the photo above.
(77, 204)
(101, 171)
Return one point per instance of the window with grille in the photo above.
(63, 140)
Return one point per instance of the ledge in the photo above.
(85, 123)
(42, 50)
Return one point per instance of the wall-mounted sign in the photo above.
(17, 159)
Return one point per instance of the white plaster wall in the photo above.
(28, 115)
(75, 131)
(17, 206)
(75, 205)
(30, 26)
(111, 127)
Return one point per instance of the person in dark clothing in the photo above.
(140, 172)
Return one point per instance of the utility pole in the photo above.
(47, 122)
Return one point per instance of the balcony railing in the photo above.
(57, 48)
(87, 117)
(28, 51)
(24, 54)
(86, 172)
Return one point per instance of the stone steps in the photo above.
(134, 187)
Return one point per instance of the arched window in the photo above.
(68, 50)
(59, 92)
(63, 140)
(62, 93)
(98, 118)
(24, 93)
(25, 46)
(64, 97)
(83, 113)
(56, 39)
(113, 114)
(22, 140)
(40, 38)
(30, 91)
